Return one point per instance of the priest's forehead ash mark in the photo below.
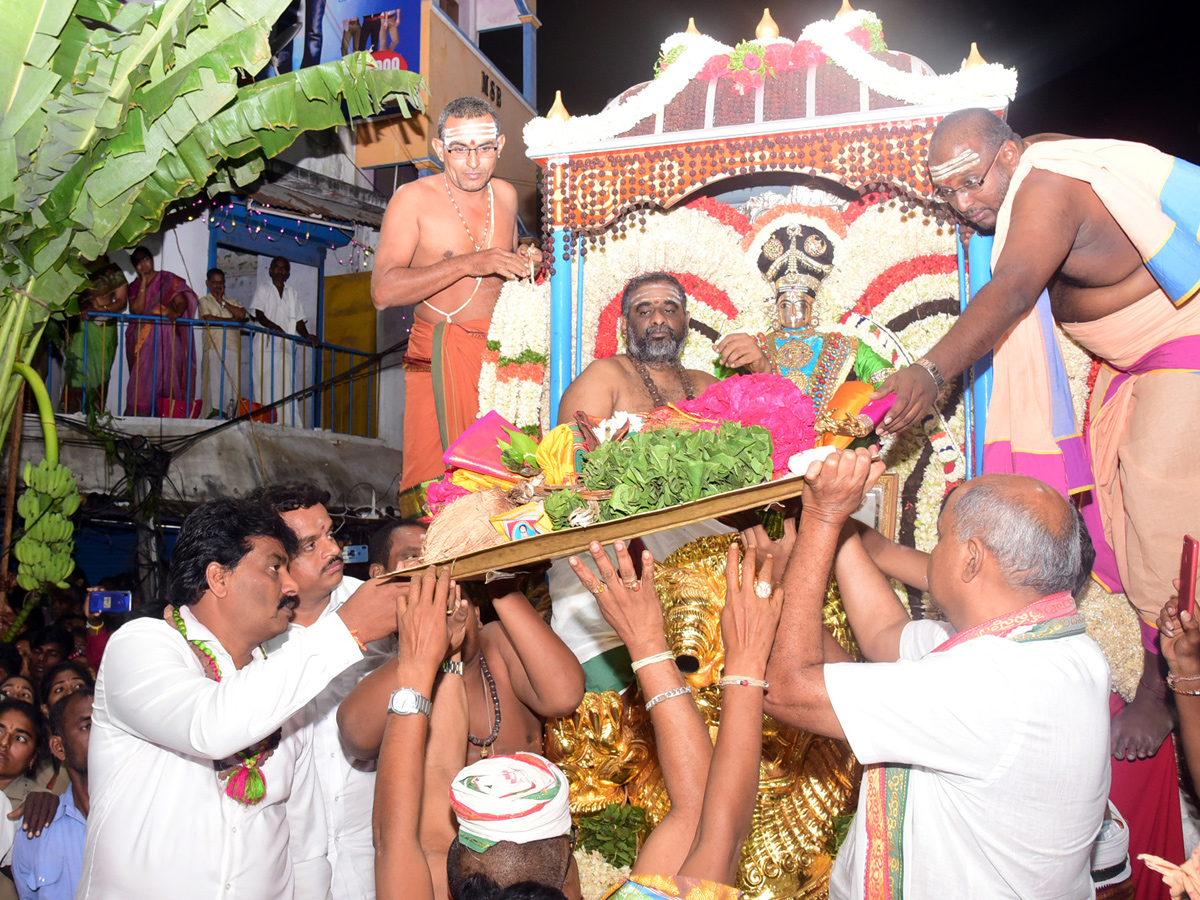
(472, 133)
(952, 167)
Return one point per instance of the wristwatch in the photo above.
(408, 702)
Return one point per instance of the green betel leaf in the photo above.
(657, 469)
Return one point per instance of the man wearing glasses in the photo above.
(448, 244)
(1100, 236)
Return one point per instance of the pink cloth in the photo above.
(162, 367)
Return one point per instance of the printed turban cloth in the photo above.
(519, 798)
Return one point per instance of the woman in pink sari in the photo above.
(161, 363)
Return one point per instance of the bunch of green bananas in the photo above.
(45, 550)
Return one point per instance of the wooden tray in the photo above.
(513, 556)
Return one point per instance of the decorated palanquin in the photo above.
(696, 173)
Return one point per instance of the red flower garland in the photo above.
(722, 212)
(522, 371)
(892, 277)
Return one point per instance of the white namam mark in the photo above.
(952, 167)
(471, 134)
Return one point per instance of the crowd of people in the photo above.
(168, 374)
(277, 728)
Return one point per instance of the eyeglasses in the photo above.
(458, 151)
(971, 185)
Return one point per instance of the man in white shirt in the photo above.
(280, 367)
(195, 746)
(985, 737)
(346, 785)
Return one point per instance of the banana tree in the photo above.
(112, 112)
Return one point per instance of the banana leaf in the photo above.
(111, 113)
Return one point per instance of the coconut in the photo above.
(465, 525)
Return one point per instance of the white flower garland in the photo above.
(989, 81)
(542, 134)
(876, 241)
(681, 240)
(520, 322)
(964, 86)
(597, 876)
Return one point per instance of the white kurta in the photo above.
(1009, 748)
(347, 785)
(280, 366)
(160, 823)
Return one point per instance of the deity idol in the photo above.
(817, 361)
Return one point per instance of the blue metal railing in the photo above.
(138, 365)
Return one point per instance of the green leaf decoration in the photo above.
(519, 453)
(613, 832)
(665, 467)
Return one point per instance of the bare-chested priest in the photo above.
(654, 322)
(448, 244)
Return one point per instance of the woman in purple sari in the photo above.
(162, 366)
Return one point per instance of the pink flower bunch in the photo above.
(860, 36)
(716, 67)
(806, 53)
(779, 57)
(771, 401)
(442, 493)
(746, 80)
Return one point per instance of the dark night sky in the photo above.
(1088, 69)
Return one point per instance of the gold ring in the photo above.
(599, 589)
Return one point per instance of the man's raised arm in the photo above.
(1045, 220)
(424, 638)
(833, 490)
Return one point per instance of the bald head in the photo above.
(980, 129)
(1026, 525)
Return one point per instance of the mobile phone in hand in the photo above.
(108, 601)
(1187, 574)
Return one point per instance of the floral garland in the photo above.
(726, 291)
(879, 238)
(597, 876)
(514, 363)
(723, 213)
(846, 41)
(966, 85)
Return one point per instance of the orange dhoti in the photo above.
(441, 387)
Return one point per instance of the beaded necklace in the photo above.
(485, 744)
(487, 241)
(487, 235)
(655, 394)
(244, 780)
